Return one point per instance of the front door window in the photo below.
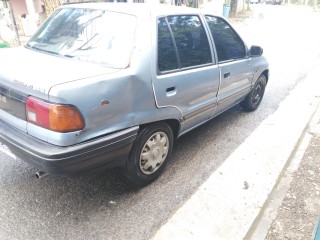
(228, 44)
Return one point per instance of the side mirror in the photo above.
(256, 51)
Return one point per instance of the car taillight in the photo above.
(59, 118)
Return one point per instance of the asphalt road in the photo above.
(105, 206)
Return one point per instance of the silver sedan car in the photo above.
(103, 85)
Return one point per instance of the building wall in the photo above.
(27, 20)
(19, 7)
(37, 6)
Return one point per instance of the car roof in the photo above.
(137, 8)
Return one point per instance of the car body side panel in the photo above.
(108, 104)
(194, 93)
(236, 78)
(259, 65)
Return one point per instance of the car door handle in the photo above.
(226, 75)
(171, 91)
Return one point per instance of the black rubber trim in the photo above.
(13, 102)
(107, 151)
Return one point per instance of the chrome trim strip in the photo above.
(197, 112)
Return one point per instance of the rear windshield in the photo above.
(89, 35)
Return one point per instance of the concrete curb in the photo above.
(263, 222)
(228, 203)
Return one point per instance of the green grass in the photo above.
(4, 45)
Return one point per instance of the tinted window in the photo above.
(228, 43)
(167, 59)
(191, 40)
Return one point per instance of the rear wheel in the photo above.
(150, 154)
(254, 98)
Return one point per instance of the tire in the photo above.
(150, 154)
(254, 98)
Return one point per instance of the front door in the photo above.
(235, 65)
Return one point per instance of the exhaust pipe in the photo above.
(41, 174)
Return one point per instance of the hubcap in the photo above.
(154, 153)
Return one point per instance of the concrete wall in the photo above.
(7, 33)
(26, 13)
(19, 7)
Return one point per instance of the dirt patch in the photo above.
(300, 209)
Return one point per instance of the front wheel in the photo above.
(150, 154)
(254, 98)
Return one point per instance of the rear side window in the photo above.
(167, 58)
(228, 43)
(182, 40)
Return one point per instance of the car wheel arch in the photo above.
(266, 74)
(174, 124)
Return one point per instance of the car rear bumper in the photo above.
(107, 151)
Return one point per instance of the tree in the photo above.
(188, 3)
(233, 7)
(50, 6)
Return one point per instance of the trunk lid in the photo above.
(35, 72)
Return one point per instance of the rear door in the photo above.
(186, 77)
(235, 65)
